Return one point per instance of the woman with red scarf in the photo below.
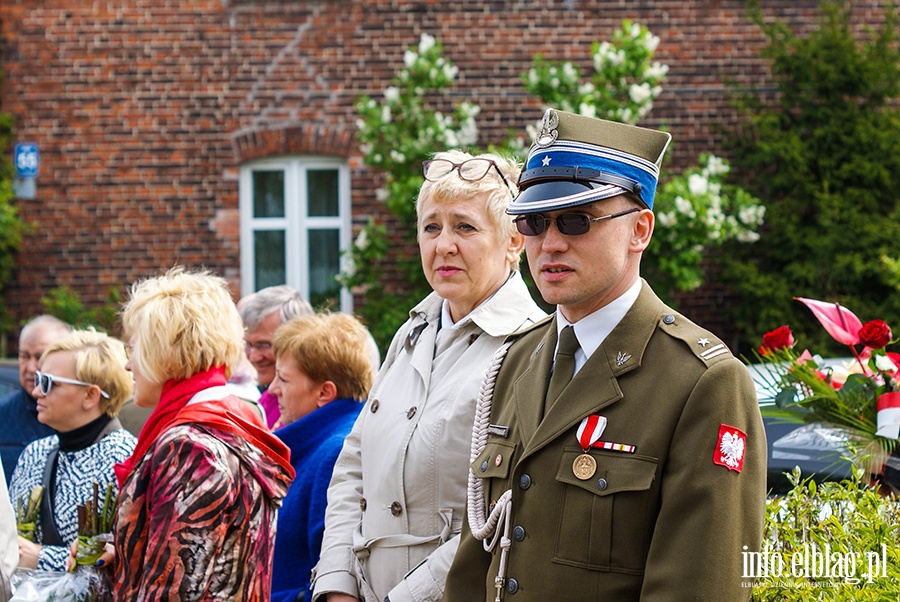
(198, 498)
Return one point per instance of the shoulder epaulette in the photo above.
(705, 345)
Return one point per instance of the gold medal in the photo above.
(584, 467)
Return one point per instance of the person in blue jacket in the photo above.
(323, 373)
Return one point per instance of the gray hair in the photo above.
(45, 323)
(283, 298)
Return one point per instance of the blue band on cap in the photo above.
(568, 154)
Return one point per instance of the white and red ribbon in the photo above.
(889, 415)
(590, 430)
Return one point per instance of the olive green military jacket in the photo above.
(670, 519)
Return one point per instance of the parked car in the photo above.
(816, 448)
(9, 376)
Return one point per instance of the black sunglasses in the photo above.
(570, 224)
(45, 382)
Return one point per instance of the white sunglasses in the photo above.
(45, 382)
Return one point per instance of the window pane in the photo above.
(322, 186)
(268, 193)
(324, 265)
(269, 250)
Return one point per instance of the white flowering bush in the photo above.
(397, 132)
(400, 130)
(696, 210)
(622, 87)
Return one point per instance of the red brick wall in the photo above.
(145, 109)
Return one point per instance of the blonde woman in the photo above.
(197, 509)
(79, 388)
(396, 501)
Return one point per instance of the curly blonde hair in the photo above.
(183, 323)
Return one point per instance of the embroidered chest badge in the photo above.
(730, 448)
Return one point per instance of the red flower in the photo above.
(875, 334)
(780, 338)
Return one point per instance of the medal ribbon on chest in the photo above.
(589, 431)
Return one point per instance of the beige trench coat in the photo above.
(397, 496)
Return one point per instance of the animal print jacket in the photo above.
(196, 519)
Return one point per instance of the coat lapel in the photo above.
(531, 387)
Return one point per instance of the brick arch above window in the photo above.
(294, 140)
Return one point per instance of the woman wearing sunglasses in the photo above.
(397, 496)
(79, 389)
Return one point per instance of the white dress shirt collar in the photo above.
(593, 329)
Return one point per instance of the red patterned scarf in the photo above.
(231, 417)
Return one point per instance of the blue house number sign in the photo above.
(27, 160)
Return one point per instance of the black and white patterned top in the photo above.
(76, 473)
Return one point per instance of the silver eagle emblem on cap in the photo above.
(548, 133)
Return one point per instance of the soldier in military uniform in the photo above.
(641, 477)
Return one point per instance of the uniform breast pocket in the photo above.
(493, 465)
(606, 519)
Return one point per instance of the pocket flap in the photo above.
(494, 461)
(615, 471)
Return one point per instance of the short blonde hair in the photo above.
(453, 189)
(99, 360)
(329, 346)
(185, 323)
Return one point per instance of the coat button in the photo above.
(396, 508)
(519, 533)
(410, 413)
(512, 586)
(374, 406)
(668, 319)
(362, 504)
(602, 484)
(524, 481)
(484, 466)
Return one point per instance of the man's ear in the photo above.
(643, 231)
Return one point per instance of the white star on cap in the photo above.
(546, 161)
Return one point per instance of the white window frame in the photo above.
(296, 223)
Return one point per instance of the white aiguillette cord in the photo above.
(484, 527)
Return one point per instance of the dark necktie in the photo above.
(564, 367)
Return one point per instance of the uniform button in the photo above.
(374, 406)
(512, 586)
(519, 533)
(411, 412)
(362, 504)
(396, 508)
(668, 319)
(602, 484)
(524, 481)
(484, 466)
(498, 460)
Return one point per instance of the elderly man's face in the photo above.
(258, 345)
(31, 346)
